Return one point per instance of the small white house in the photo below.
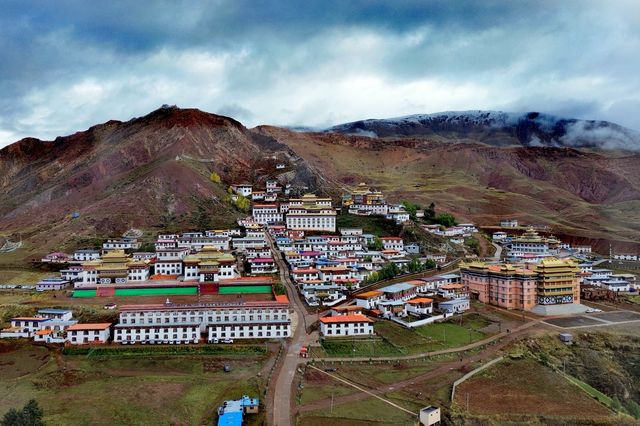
(85, 255)
(346, 325)
(52, 284)
(85, 334)
(454, 306)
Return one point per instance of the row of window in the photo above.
(211, 319)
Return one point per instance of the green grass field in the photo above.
(152, 390)
(394, 339)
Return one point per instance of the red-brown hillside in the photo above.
(133, 174)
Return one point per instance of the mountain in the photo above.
(501, 129)
(153, 173)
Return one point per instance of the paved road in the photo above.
(498, 253)
(279, 401)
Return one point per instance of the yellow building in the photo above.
(557, 281)
(209, 265)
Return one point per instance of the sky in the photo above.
(67, 65)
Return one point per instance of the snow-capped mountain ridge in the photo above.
(500, 128)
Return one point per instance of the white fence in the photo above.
(419, 322)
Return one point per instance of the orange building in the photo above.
(550, 282)
(502, 285)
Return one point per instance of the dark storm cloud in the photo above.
(69, 64)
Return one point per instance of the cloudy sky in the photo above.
(66, 65)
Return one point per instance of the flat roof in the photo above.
(96, 326)
(345, 319)
(369, 294)
(393, 288)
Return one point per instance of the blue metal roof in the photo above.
(394, 288)
(53, 311)
(233, 418)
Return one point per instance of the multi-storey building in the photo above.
(120, 244)
(266, 213)
(550, 282)
(311, 213)
(209, 265)
(557, 282)
(184, 323)
(502, 285)
(115, 267)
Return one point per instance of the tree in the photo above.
(148, 247)
(215, 178)
(445, 219)
(430, 213)
(243, 203)
(30, 415)
(411, 208)
(414, 266)
(376, 244)
(389, 270)
(616, 405)
(430, 264)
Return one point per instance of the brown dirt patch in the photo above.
(526, 387)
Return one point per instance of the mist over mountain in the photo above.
(501, 129)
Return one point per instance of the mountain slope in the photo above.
(500, 129)
(149, 172)
(586, 195)
(153, 173)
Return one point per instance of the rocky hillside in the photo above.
(151, 172)
(501, 129)
(578, 192)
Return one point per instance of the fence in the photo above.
(472, 373)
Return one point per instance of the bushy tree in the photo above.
(215, 178)
(430, 213)
(30, 415)
(411, 208)
(376, 244)
(388, 271)
(243, 204)
(430, 264)
(445, 219)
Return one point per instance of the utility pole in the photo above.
(331, 402)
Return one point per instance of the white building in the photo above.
(631, 257)
(266, 213)
(223, 320)
(84, 255)
(263, 265)
(499, 236)
(82, 334)
(166, 333)
(392, 243)
(120, 244)
(346, 325)
(52, 284)
(244, 189)
(311, 213)
(508, 223)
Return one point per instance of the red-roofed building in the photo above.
(392, 243)
(346, 325)
(263, 265)
(305, 274)
(420, 305)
